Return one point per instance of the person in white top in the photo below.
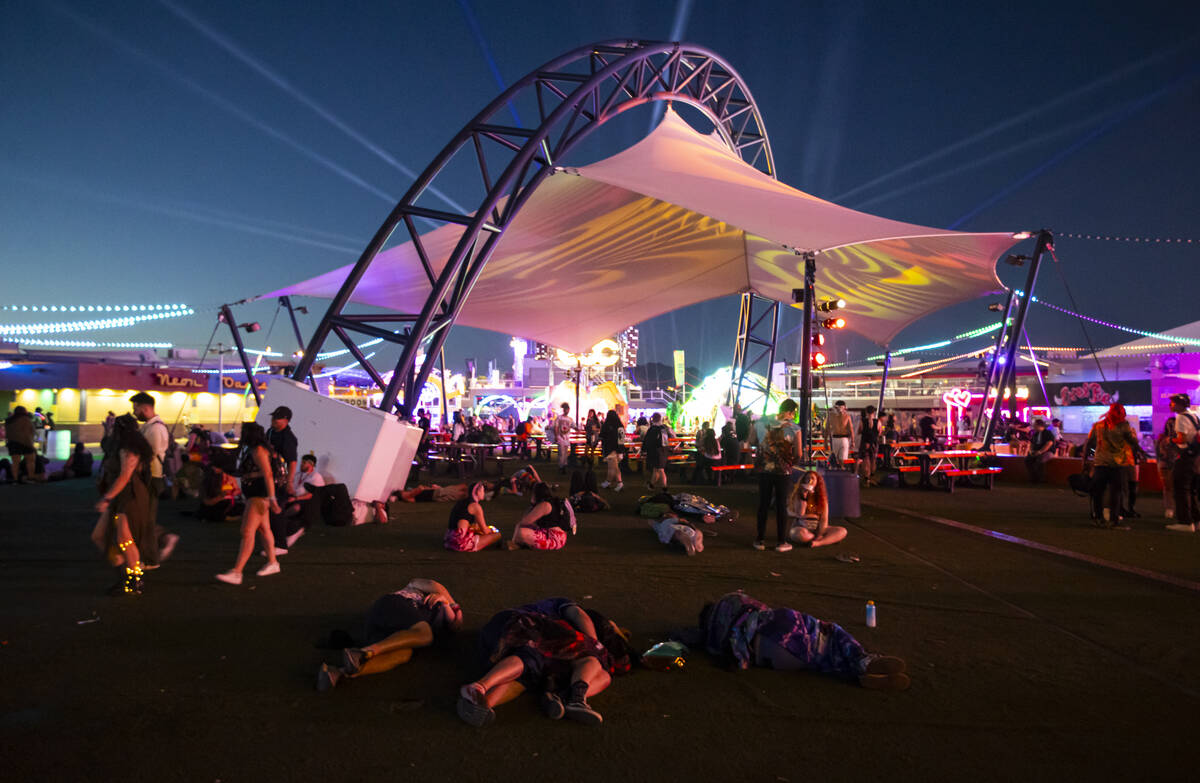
(1184, 473)
(302, 510)
(562, 436)
(156, 433)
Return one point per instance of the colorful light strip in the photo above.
(328, 373)
(344, 351)
(90, 308)
(1143, 240)
(1118, 327)
(66, 327)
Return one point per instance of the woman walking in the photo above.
(258, 485)
(125, 529)
(612, 440)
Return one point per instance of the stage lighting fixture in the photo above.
(798, 295)
(1016, 260)
(834, 323)
(818, 360)
(995, 307)
(829, 305)
(251, 327)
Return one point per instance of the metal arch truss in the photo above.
(762, 331)
(575, 94)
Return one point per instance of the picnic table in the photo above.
(952, 464)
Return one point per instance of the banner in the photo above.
(1099, 393)
(679, 368)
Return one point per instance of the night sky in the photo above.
(142, 161)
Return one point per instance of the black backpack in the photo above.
(334, 502)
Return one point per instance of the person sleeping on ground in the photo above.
(396, 624)
(745, 632)
(670, 528)
(466, 530)
(435, 493)
(552, 648)
(542, 526)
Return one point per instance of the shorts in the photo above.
(665, 529)
(655, 461)
(255, 488)
(841, 448)
(20, 449)
(549, 538)
(424, 496)
(460, 540)
(393, 613)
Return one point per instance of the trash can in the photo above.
(842, 488)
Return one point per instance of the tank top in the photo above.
(459, 511)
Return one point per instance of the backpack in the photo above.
(1191, 449)
(335, 505)
(279, 470)
(778, 452)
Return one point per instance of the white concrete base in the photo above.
(369, 451)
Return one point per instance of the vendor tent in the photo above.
(674, 220)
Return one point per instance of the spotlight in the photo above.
(1016, 260)
(995, 307)
(834, 323)
(829, 305)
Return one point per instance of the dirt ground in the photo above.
(1024, 665)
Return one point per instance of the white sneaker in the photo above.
(1182, 528)
(618, 487)
(603, 485)
(784, 547)
(278, 552)
(294, 537)
(230, 577)
(759, 545)
(268, 569)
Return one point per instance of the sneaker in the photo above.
(784, 547)
(618, 487)
(1169, 513)
(230, 577)
(472, 707)
(353, 659)
(552, 706)
(168, 546)
(883, 664)
(759, 545)
(278, 552)
(327, 677)
(577, 709)
(1182, 528)
(268, 569)
(150, 566)
(293, 538)
(603, 485)
(885, 682)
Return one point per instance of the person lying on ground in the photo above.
(539, 646)
(432, 493)
(584, 496)
(809, 508)
(542, 525)
(746, 632)
(523, 480)
(672, 529)
(466, 530)
(396, 624)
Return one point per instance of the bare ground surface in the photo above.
(1024, 665)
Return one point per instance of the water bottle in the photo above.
(870, 614)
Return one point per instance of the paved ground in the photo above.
(1024, 665)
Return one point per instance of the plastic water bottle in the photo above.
(870, 614)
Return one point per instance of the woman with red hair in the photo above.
(1115, 445)
(809, 508)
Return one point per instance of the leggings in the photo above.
(1112, 478)
(773, 486)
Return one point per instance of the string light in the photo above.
(89, 344)
(66, 327)
(1141, 333)
(91, 308)
(328, 373)
(1142, 240)
(331, 354)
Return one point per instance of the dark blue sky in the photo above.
(141, 162)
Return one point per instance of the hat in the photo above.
(141, 398)
(282, 412)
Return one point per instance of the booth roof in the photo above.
(674, 220)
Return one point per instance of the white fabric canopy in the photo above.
(674, 220)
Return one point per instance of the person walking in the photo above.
(283, 442)
(612, 448)
(258, 485)
(868, 444)
(778, 453)
(1183, 476)
(155, 431)
(18, 428)
(126, 528)
(1115, 446)
(655, 445)
(591, 429)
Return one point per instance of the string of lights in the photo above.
(1142, 240)
(1128, 329)
(89, 344)
(338, 370)
(90, 308)
(91, 324)
(331, 354)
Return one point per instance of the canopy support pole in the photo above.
(1008, 372)
(442, 386)
(286, 301)
(887, 365)
(1036, 370)
(806, 336)
(992, 364)
(748, 325)
(231, 322)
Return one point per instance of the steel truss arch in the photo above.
(575, 94)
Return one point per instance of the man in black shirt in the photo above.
(283, 440)
(1041, 443)
(655, 445)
